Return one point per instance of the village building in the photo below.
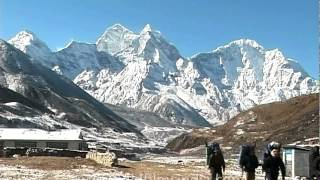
(70, 139)
(298, 161)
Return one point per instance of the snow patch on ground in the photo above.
(239, 123)
(112, 140)
(240, 131)
(12, 104)
(176, 160)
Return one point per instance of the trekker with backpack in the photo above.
(215, 160)
(248, 161)
(272, 162)
(315, 162)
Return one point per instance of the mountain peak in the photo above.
(27, 33)
(117, 26)
(25, 39)
(115, 39)
(248, 42)
(115, 30)
(146, 28)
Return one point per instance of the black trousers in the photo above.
(250, 176)
(272, 176)
(216, 173)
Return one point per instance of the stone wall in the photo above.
(108, 159)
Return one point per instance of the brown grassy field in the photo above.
(49, 167)
(49, 163)
(57, 168)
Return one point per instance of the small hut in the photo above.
(297, 161)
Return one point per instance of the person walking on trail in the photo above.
(248, 161)
(215, 161)
(272, 162)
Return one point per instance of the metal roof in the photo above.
(39, 134)
(296, 147)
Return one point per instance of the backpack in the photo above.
(245, 150)
(315, 158)
(214, 147)
(247, 158)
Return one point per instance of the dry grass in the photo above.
(49, 163)
(150, 170)
(154, 170)
(284, 122)
(140, 169)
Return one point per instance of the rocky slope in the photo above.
(32, 96)
(294, 121)
(146, 72)
(31, 93)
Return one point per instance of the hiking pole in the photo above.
(241, 173)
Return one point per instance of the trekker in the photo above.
(248, 161)
(272, 162)
(215, 160)
(315, 162)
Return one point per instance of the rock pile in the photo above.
(108, 159)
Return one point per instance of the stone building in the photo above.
(61, 139)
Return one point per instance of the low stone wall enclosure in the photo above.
(108, 159)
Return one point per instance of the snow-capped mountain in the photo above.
(32, 96)
(240, 75)
(115, 39)
(144, 71)
(30, 44)
(35, 96)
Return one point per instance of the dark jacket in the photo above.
(315, 159)
(249, 163)
(273, 165)
(216, 161)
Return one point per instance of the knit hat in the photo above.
(274, 145)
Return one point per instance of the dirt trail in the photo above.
(182, 171)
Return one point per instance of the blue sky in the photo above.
(192, 25)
